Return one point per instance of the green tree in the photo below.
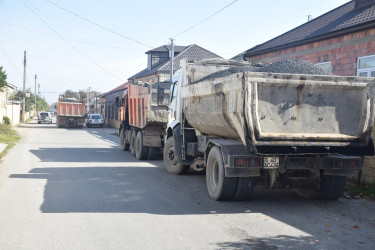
(82, 94)
(3, 78)
(41, 104)
(70, 94)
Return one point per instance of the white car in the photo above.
(44, 117)
(94, 120)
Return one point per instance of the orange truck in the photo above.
(70, 113)
(144, 116)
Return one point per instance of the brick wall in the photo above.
(343, 52)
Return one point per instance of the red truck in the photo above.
(70, 113)
(144, 116)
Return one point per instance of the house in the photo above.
(158, 62)
(341, 40)
(158, 70)
(8, 107)
(110, 103)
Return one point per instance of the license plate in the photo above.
(271, 162)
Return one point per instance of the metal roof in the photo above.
(192, 52)
(345, 17)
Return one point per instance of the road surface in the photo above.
(75, 189)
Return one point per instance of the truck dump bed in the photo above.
(70, 108)
(146, 107)
(280, 109)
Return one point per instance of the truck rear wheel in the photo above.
(141, 152)
(152, 151)
(331, 188)
(170, 161)
(219, 187)
(132, 143)
(245, 187)
(123, 145)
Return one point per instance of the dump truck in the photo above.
(144, 118)
(70, 113)
(273, 130)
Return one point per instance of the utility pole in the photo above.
(88, 101)
(24, 88)
(36, 110)
(39, 90)
(171, 50)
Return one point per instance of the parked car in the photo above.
(44, 117)
(94, 120)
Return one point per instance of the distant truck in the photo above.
(276, 130)
(70, 113)
(144, 117)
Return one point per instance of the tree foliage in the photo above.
(80, 95)
(3, 77)
(41, 104)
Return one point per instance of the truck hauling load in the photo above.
(247, 126)
(70, 113)
(144, 118)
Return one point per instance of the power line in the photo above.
(73, 47)
(98, 25)
(72, 40)
(195, 25)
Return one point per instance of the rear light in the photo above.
(90, 120)
(101, 121)
(244, 162)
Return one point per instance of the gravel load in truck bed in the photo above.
(292, 66)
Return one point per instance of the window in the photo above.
(327, 66)
(366, 66)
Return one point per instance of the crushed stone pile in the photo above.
(292, 66)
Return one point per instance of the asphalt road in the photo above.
(75, 189)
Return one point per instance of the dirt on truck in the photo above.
(299, 128)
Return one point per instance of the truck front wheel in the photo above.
(170, 161)
(331, 188)
(219, 187)
(124, 146)
(141, 152)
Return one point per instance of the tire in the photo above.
(170, 161)
(39, 122)
(141, 152)
(132, 143)
(219, 187)
(152, 153)
(123, 145)
(245, 187)
(88, 125)
(331, 188)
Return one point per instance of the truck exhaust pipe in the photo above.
(198, 165)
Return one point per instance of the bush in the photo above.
(6, 120)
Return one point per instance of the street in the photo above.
(75, 188)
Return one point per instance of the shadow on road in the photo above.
(151, 190)
(106, 154)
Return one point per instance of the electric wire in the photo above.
(66, 41)
(195, 25)
(72, 40)
(98, 25)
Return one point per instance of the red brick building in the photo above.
(342, 41)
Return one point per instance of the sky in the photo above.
(74, 45)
